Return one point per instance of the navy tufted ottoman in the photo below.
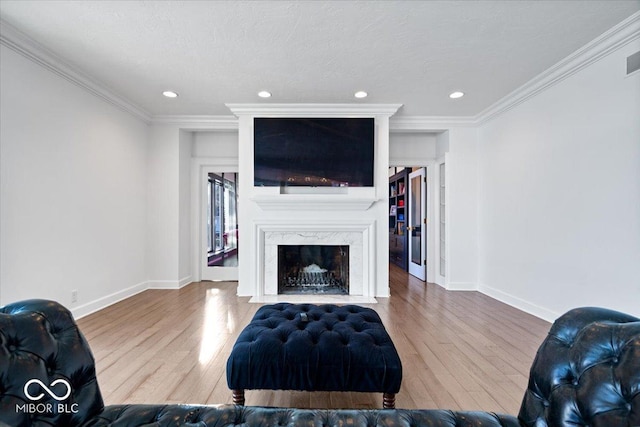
(315, 348)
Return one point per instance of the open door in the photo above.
(417, 229)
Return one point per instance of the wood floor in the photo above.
(459, 350)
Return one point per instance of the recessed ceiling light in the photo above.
(170, 94)
(456, 95)
(361, 94)
(264, 94)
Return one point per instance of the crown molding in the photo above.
(30, 49)
(326, 110)
(197, 123)
(408, 124)
(613, 39)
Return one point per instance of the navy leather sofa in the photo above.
(586, 373)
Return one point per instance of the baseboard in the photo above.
(169, 284)
(519, 303)
(184, 281)
(163, 284)
(100, 303)
(106, 301)
(461, 286)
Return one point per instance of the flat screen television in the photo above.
(313, 152)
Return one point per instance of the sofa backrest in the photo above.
(586, 372)
(47, 371)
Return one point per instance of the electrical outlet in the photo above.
(74, 296)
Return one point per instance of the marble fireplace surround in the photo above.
(355, 234)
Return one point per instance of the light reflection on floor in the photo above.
(215, 326)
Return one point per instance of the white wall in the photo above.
(560, 194)
(217, 144)
(184, 207)
(73, 191)
(163, 206)
(442, 144)
(411, 149)
(462, 209)
(170, 207)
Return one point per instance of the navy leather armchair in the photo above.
(586, 373)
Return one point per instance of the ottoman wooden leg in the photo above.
(238, 397)
(389, 401)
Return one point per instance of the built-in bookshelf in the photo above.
(398, 218)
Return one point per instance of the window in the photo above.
(222, 221)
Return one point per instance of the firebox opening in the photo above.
(313, 269)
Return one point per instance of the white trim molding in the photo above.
(314, 202)
(612, 40)
(435, 124)
(615, 38)
(200, 168)
(169, 284)
(103, 302)
(199, 123)
(519, 303)
(184, 281)
(314, 110)
(461, 286)
(29, 48)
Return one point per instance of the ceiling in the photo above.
(409, 52)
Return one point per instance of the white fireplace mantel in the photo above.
(313, 202)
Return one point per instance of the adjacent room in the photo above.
(358, 207)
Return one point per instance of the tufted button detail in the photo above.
(36, 327)
(332, 349)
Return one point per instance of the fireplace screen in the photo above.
(313, 269)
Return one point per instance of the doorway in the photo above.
(417, 228)
(408, 222)
(220, 226)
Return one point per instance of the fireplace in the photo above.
(307, 215)
(351, 240)
(313, 269)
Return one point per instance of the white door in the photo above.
(417, 229)
(219, 227)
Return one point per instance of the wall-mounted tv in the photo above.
(312, 152)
